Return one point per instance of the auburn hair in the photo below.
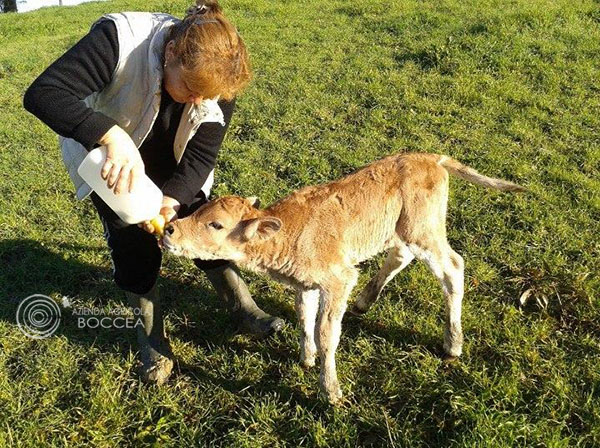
(213, 56)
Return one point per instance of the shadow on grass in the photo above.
(29, 267)
(400, 336)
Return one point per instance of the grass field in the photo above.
(509, 87)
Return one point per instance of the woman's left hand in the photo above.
(168, 211)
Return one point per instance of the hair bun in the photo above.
(203, 7)
(197, 10)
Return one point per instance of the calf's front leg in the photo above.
(329, 328)
(307, 306)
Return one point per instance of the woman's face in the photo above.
(174, 82)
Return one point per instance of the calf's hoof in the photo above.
(355, 310)
(307, 362)
(365, 299)
(332, 391)
(453, 345)
(335, 397)
(449, 359)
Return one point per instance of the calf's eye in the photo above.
(215, 225)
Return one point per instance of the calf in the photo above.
(314, 238)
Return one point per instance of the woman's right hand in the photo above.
(123, 167)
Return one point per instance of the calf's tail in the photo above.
(456, 168)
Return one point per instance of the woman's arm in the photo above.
(55, 97)
(199, 158)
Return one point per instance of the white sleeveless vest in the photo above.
(133, 96)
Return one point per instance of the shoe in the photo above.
(156, 356)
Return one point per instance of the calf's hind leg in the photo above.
(397, 259)
(448, 267)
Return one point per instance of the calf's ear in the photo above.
(254, 201)
(261, 228)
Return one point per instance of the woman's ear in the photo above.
(169, 48)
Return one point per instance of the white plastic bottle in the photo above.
(143, 204)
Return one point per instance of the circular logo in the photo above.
(38, 316)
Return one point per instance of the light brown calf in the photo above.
(314, 238)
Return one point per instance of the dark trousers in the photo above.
(135, 254)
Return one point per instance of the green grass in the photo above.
(508, 87)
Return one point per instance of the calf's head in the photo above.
(220, 230)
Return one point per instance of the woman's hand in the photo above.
(168, 211)
(123, 167)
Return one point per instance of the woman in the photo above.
(159, 94)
